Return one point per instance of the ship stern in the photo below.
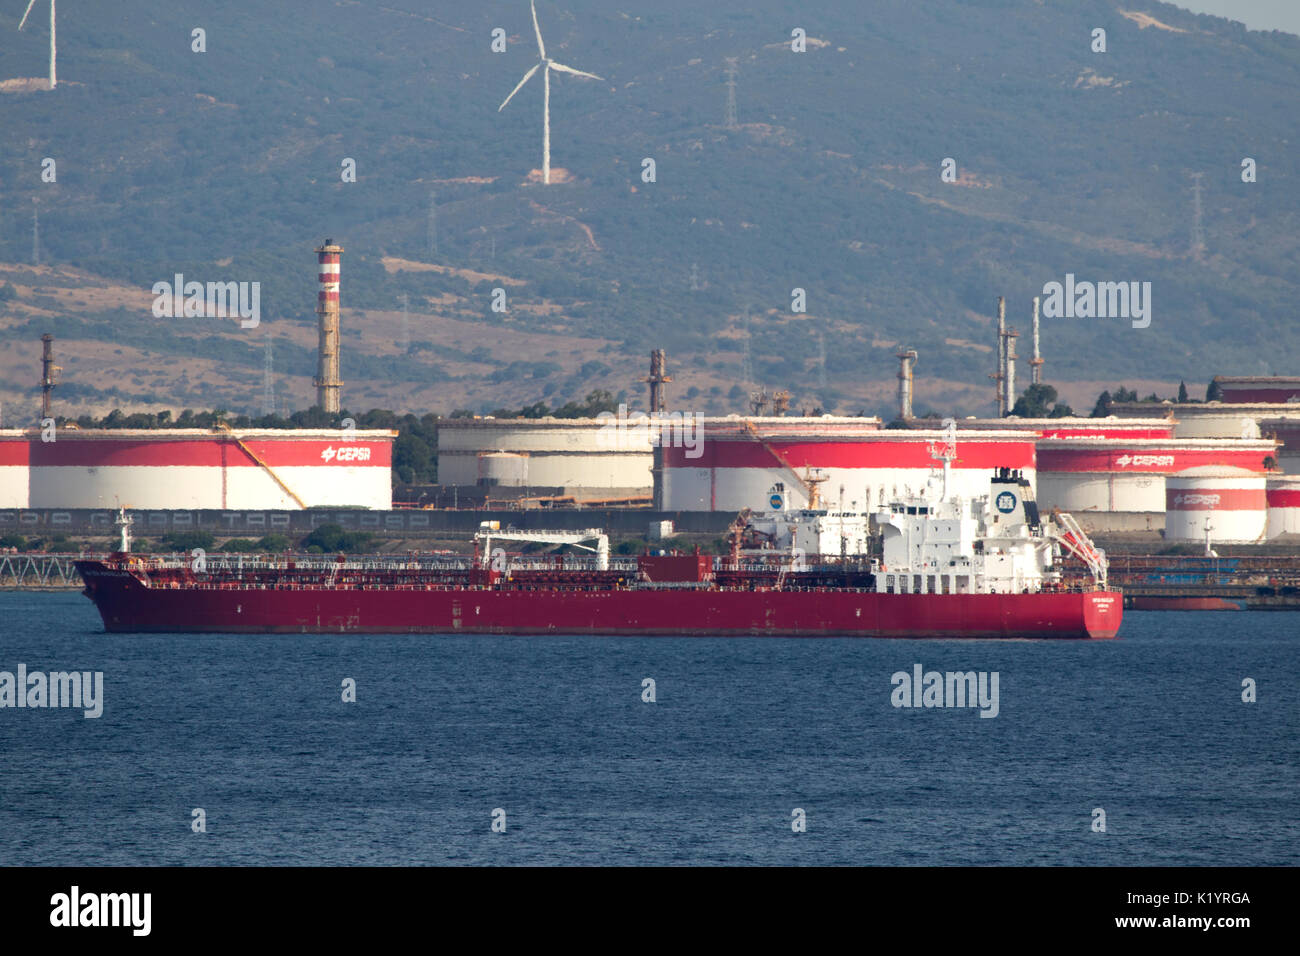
(1103, 612)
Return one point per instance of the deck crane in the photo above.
(489, 530)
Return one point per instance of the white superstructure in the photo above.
(941, 541)
(992, 544)
(807, 532)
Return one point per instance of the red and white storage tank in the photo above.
(1233, 501)
(1128, 476)
(739, 463)
(1282, 493)
(264, 469)
(1075, 427)
(14, 472)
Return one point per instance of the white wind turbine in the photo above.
(546, 94)
(53, 46)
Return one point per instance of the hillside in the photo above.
(225, 165)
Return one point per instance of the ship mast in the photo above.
(123, 525)
(947, 453)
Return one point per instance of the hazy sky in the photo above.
(1256, 14)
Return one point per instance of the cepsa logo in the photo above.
(1211, 501)
(1145, 461)
(345, 454)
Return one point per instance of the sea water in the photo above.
(237, 749)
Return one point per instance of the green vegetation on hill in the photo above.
(1040, 401)
(332, 538)
(226, 165)
(595, 403)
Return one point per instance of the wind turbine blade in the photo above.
(29, 10)
(568, 69)
(541, 47)
(527, 76)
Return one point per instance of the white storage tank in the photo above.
(503, 469)
(1283, 497)
(1232, 500)
(580, 454)
(1228, 425)
(1107, 492)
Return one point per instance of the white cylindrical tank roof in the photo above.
(1217, 426)
(1075, 427)
(1212, 471)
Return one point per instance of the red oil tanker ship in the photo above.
(939, 566)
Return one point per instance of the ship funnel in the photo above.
(1011, 500)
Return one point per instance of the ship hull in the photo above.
(128, 606)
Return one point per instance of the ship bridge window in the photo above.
(911, 510)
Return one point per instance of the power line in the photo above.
(821, 364)
(433, 223)
(268, 378)
(747, 365)
(404, 343)
(1198, 233)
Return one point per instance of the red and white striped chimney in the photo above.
(327, 382)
